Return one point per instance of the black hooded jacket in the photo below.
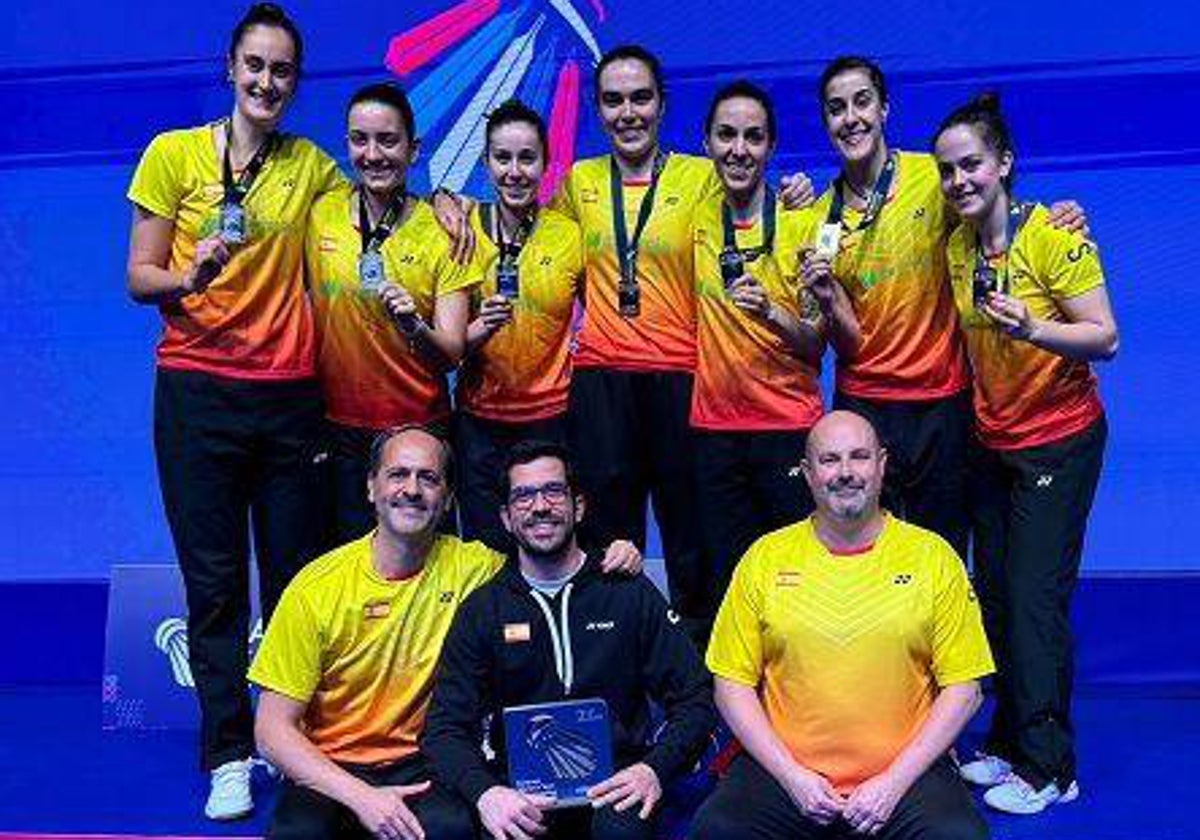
(509, 646)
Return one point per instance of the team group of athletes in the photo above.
(663, 316)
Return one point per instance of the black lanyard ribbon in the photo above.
(875, 201)
(627, 248)
(768, 218)
(237, 189)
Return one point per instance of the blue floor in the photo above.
(59, 773)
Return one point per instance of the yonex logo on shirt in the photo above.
(901, 580)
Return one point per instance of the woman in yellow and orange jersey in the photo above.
(391, 303)
(631, 388)
(513, 384)
(759, 348)
(880, 231)
(217, 246)
(1034, 308)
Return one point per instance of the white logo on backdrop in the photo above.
(171, 638)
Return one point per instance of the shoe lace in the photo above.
(231, 774)
(1023, 788)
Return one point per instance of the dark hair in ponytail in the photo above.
(392, 95)
(267, 14)
(984, 115)
(515, 111)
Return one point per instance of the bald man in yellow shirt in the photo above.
(847, 654)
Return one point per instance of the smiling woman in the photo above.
(391, 305)
(513, 383)
(759, 352)
(1034, 307)
(217, 245)
(631, 388)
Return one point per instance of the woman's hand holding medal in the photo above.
(401, 306)
(495, 312)
(212, 255)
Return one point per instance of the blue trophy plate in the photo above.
(558, 749)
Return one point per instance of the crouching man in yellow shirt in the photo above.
(847, 655)
(347, 662)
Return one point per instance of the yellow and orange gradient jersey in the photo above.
(747, 377)
(895, 274)
(847, 652)
(1026, 396)
(360, 650)
(663, 336)
(254, 321)
(371, 375)
(523, 372)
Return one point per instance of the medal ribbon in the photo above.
(236, 190)
(875, 202)
(627, 248)
(768, 218)
(373, 238)
(1018, 213)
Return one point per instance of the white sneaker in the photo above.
(986, 770)
(1016, 796)
(229, 797)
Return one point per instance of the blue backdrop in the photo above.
(1103, 104)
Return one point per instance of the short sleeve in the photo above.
(564, 200)
(1069, 264)
(735, 650)
(157, 184)
(960, 647)
(289, 659)
(328, 176)
(451, 276)
(572, 242)
(710, 185)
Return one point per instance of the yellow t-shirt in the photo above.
(523, 371)
(361, 650)
(372, 377)
(747, 377)
(1026, 396)
(895, 274)
(254, 320)
(663, 336)
(847, 651)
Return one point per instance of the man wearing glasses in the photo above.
(549, 627)
(347, 663)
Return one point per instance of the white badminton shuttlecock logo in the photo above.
(569, 755)
(171, 638)
(461, 63)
